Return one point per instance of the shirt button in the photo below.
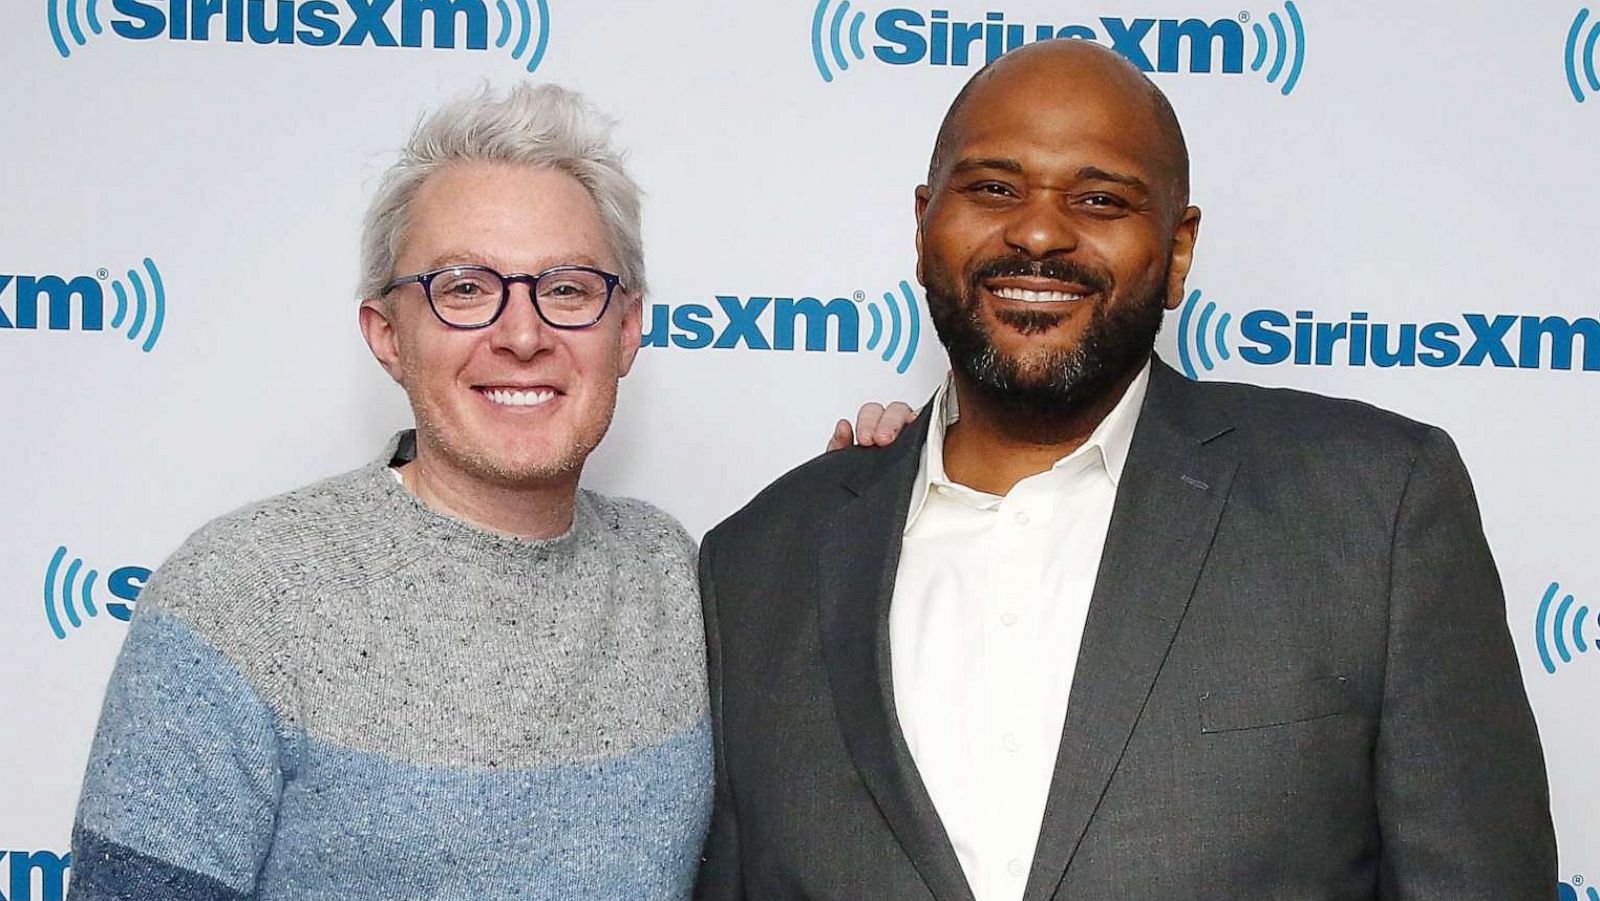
(1010, 742)
(1015, 867)
(1021, 518)
(1008, 618)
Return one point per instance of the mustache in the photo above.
(1059, 270)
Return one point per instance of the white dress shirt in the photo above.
(988, 611)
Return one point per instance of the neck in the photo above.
(995, 445)
(540, 511)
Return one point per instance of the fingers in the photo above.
(867, 420)
(876, 426)
(895, 418)
(842, 436)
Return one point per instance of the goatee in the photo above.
(1053, 385)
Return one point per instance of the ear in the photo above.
(378, 327)
(632, 334)
(1183, 238)
(923, 194)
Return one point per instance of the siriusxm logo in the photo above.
(1551, 629)
(1271, 337)
(141, 311)
(775, 323)
(902, 36)
(35, 875)
(65, 595)
(440, 24)
(1581, 54)
(1577, 891)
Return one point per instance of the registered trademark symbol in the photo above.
(860, 296)
(1577, 880)
(101, 273)
(1244, 15)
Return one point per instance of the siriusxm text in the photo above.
(756, 323)
(125, 584)
(35, 875)
(909, 36)
(317, 23)
(57, 294)
(1271, 337)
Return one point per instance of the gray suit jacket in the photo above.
(1295, 681)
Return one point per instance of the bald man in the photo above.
(1093, 631)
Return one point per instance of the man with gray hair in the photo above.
(451, 672)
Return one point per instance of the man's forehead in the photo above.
(1059, 89)
(1056, 131)
(1063, 108)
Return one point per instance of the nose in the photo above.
(519, 331)
(1042, 227)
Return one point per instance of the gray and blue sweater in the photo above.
(341, 694)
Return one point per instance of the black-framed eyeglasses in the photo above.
(469, 297)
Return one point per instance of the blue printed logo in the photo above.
(1555, 622)
(440, 24)
(50, 868)
(1570, 891)
(771, 322)
(141, 302)
(65, 595)
(1269, 337)
(903, 36)
(1581, 55)
(1196, 336)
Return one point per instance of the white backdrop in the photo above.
(1427, 166)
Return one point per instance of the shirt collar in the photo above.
(1110, 440)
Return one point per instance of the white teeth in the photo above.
(518, 398)
(1036, 296)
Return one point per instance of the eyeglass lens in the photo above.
(470, 295)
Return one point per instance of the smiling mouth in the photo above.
(1025, 295)
(518, 397)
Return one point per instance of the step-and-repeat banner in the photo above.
(1400, 200)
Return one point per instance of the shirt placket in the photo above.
(1010, 622)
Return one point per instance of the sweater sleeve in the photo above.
(181, 793)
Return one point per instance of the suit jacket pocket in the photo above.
(1254, 707)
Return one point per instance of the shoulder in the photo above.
(822, 476)
(799, 506)
(639, 524)
(647, 555)
(254, 553)
(237, 586)
(1286, 420)
(1324, 453)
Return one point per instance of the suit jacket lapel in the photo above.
(860, 555)
(1169, 500)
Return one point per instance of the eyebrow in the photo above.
(1004, 164)
(1094, 173)
(1007, 164)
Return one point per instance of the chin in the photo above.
(527, 470)
(508, 462)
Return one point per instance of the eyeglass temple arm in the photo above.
(421, 279)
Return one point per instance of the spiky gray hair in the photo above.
(535, 125)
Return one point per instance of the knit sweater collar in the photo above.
(430, 531)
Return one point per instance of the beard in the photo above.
(1056, 383)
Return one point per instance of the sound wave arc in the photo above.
(49, 592)
(914, 334)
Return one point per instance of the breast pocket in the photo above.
(1255, 707)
